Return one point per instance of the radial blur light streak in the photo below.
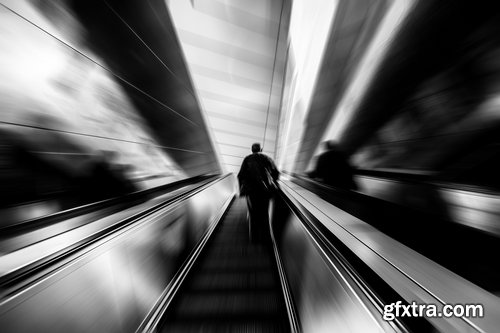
(368, 66)
(309, 29)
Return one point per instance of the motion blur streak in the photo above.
(49, 86)
(306, 54)
(367, 68)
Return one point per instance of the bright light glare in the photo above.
(31, 61)
(310, 24)
(309, 28)
(41, 65)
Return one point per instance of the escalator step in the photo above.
(226, 327)
(234, 286)
(224, 281)
(230, 238)
(242, 251)
(229, 304)
(236, 263)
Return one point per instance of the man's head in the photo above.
(331, 145)
(256, 148)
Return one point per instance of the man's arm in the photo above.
(242, 176)
(273, 170)
(243, 171)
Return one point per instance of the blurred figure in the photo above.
(333, 168)
(257, 178)
(106, 179)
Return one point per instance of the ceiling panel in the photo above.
(231, 89)
(233, 55)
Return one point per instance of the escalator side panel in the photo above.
(112, 286)
(411, 275)
(324, 296)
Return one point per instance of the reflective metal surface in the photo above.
(111, 286)
(326, 297)
(413, 276)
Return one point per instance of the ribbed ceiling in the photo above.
(237, 66)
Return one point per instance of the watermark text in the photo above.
(400, 310)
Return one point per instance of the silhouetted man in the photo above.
(257, 178)
(107, 179)
(333, 169)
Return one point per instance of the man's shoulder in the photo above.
(257, 157)
(253, 156)
(248, 159)
(263, 156)
(331, 154)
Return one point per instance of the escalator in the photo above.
(297, 281)
(233, 286)
(186, 264)
(431, 232)
(367, 235)
(33, 245)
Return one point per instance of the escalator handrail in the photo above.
(127, 199)
(291, 309)
(153, 318)
(490, 301)
(318, 234)
(19, 279)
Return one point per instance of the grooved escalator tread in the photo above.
(234, 280)
(233, 287)
(233, 303)
(249, 326)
